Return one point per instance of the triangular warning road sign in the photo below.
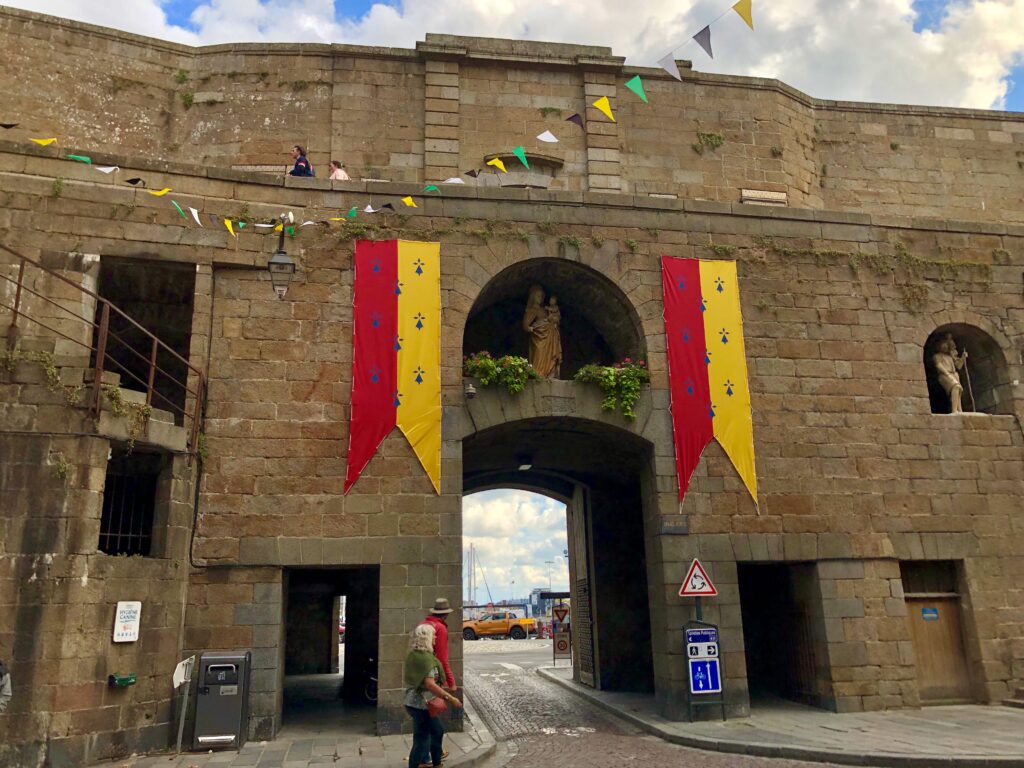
(697, 583)
(560, 613)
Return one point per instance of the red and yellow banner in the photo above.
(396, 360)
(707, 366)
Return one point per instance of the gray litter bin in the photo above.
(222, 700)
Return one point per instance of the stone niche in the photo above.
(598, 324)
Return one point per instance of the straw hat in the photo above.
(441, 606)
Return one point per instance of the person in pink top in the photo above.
(438, 619)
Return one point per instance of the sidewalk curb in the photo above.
(487, 743)
(758, 749)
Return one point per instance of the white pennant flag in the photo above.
(307, 223)
(453, 180)
(106, 168)
(549, 137)
(195, 215)
(668, 63)
(369, 209)
(265, 226)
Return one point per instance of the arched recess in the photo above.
(604, 475)
(599, 324)
(986, 376)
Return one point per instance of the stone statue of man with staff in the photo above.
(948, 366)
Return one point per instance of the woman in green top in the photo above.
(421, 673)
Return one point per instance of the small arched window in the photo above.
(982, 376)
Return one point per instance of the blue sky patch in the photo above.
(929, 14)
(1015, 94)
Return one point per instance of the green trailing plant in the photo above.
(188, 99)
(546, 227)
(722, 251)
(893, 145)
(136, 414)
(777, 152)
(57, 188)
(596, 240)
(549, 111)
(707, 141)
(202, 451)
(632, 245)
(72, 392)
(571, 240)
(652, 232)
(621, 384)
(181, 77)
(510, 372)
(61, 467)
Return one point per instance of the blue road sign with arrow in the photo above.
(704, 677)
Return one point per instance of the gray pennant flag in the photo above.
(703, 39)
(668, 63)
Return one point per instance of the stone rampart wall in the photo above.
(423, 115)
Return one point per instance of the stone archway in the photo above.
(605, 476)
(986, 380)
(599, 323)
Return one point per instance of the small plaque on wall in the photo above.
(127, 621)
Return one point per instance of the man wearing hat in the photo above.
(438, 619)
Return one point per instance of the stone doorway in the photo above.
(601, 473)
(783, 633)
(327, 670)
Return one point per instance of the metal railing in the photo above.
(102, 339)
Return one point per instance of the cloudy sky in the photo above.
(515, 532)
(965, 53)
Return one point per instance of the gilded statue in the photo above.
(948, 366)
(542, 323)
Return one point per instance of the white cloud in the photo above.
(515, 533)
(841, 49)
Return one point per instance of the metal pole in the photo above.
(152, 372)
(12, 330)
(184, 709)
(970, 390)
(700, 609)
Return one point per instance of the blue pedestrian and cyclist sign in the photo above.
(704, 677)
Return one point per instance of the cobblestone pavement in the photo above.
(537, 722)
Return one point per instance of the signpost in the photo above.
(127, 621)
(561, 612)
(562, 645)
(703, 656)
(561, 640)
(183, 675)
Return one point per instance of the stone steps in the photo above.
(1017, 700)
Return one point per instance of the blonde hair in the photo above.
(422, 638)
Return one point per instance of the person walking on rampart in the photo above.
(302, 166)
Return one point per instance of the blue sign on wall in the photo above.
(704, 676)
(703, 635)
(929, 614)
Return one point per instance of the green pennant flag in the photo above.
(521, 154)
(351, 213)
(636, 86)
(432, 188)
(241, 224)
(175, 204)
(80, 158)
(290, 230)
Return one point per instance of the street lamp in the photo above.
(282, 267)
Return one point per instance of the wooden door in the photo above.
(942, 673)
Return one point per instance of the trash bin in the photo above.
(222, 700)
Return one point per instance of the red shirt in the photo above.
(441, 646)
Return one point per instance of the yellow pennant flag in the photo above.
(159, 192)
(231, 229)
(409, 201)
(727, 376)
(44, 142)
(605, 107)
(745, 11)
(496, 162)
(419, 359)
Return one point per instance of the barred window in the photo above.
(129, 504)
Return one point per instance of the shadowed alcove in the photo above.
(599, 325)
(988, 389)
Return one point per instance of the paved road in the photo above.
(537, 722)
